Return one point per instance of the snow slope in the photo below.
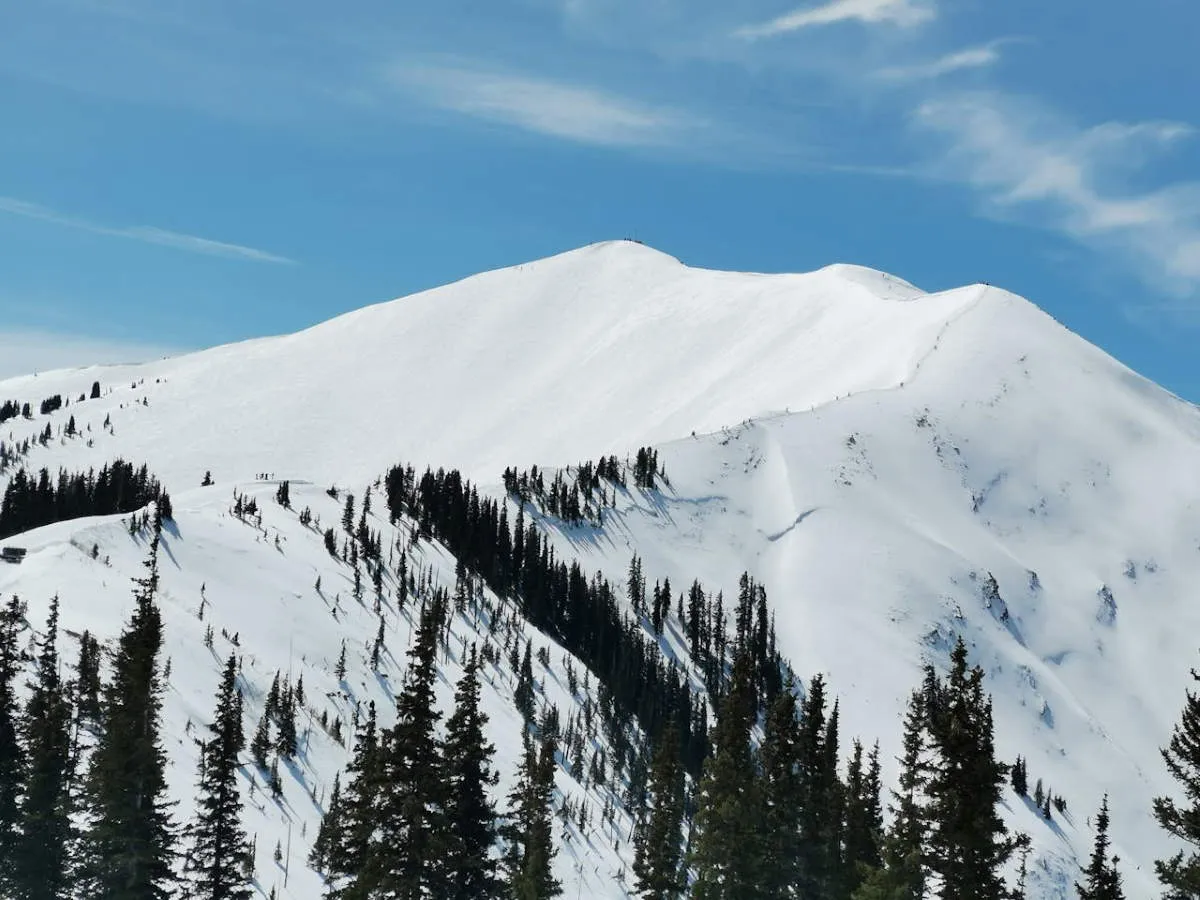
(257, 584)
(872, 453)
(1019, 452)
(604, 348)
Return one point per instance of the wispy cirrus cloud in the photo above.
(545, 106)
(1027, 162)
(146, 234)
(979, 57)
(902, 13)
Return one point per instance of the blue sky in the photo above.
(176, 174)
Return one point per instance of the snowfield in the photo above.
(898, 468)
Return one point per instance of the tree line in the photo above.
(767, 808)
(83, 806)
(414, 817)
(119, 487)
(582, 614)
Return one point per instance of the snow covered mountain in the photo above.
(898, 468)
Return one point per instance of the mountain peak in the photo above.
(897, 474)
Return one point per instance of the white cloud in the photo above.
(581, 114)
(26, 351)
(144, 233)
(1027, 162)
(903, 13)
(968, 58)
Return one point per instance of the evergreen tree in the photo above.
(339, 670)
(130, 837)
(377, 646)
(781, 797)
(902, 875)
(528, 831)
(727, 853)
(260, 746)
(1020, 777)
(968, 842)
(821, 792)
(273, 780)
(1102, 879)
(12, 756)
(695, 619)
(271, 710)
(42, 865)
(658, 857)
(218, 845)
(523, 696)
(832, 859)
(636, 586)
(470, 817)
(285, 719)
(87, 680)
(327, 831)
(352, 819)
(863, 820)
(411, 794)
(1181, 873)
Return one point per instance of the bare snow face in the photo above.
(897, 468)
(602, 349)
(1022, 490)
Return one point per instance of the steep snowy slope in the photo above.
(604, 348)
(277, 599)
(1017, 453)
(878, 457)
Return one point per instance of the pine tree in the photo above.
(902, 875)
(782, 799)
(1181, 873)
(327, 831)
(377, 646)
(271, 710)
(12, 756)
(635, 585)
(968, 842)
(470, 816)
(42, 858)
(339, 670)
(285, 719)
(1102, 879)
(727, 853)
(129, 836)
(87, 679)
(412, 789)
(352, 819)
(523, 696)
(658, 857)
(864, 820)
(1020, 777)
(821, 793)
(260, 746)
(218, 844)
(274, 782)
(528, 831)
